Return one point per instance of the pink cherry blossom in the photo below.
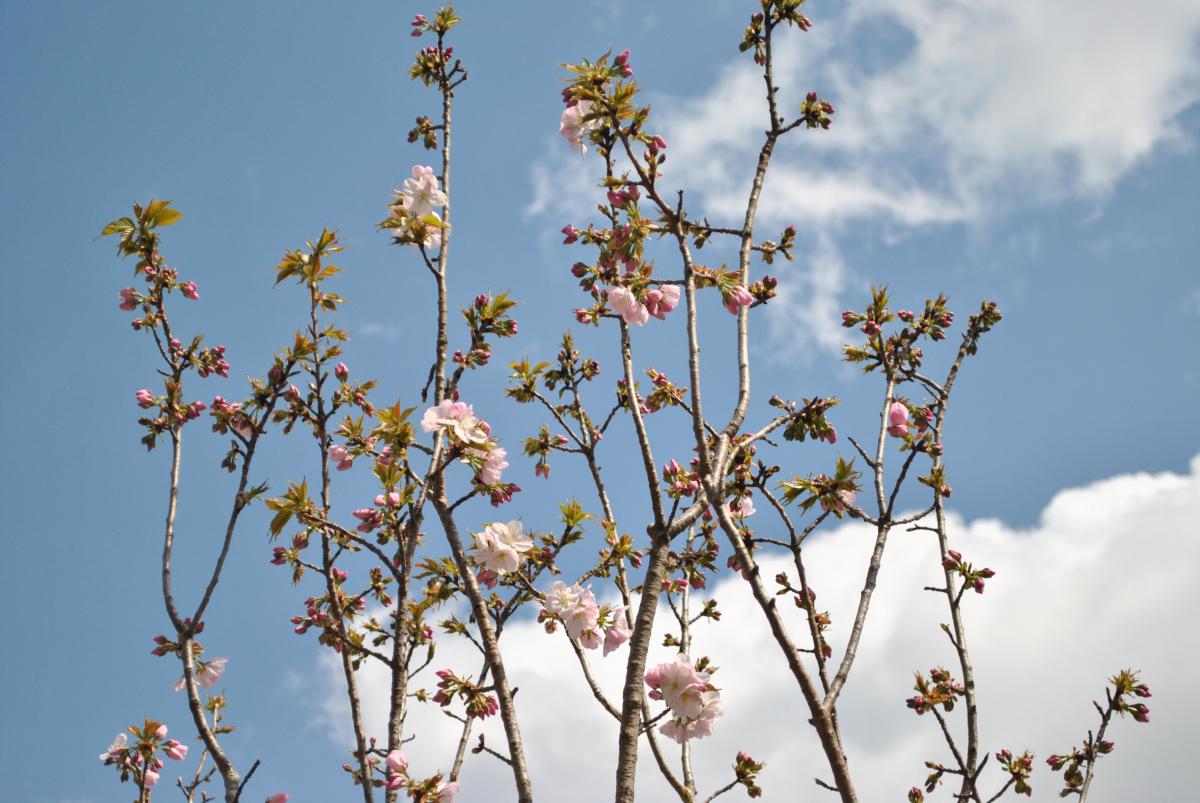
(118, 744)
(679, 685)
(207, 674)
(128, 298)
(844, 502)
(176, 751)
(897, 420)
(583, 617)
(501, 547)
(702, 725)
(561, 597)
(695, 706)
(742, 508)
(420, 194)
(160, 732)
(470, 429)
(590, 638)
(626, 304)
(577, 608)
(618, 632)
(241, 425)
(661, 300)
(190, 291)
(278, 797)
(151, 778)
(396, 761)
(737, 298)
(444, 415)
(341, 456)
(144, 398)
(574, 129)
(446, 790)
(493, 464)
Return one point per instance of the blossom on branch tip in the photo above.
(574, 129)
(118, 744)
(129, 299)
(501, 547)
(694, 703)
(420, 194)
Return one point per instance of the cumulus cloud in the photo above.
(948, 113)
(1103, 582)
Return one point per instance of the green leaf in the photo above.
(166, 216)
(117, 226)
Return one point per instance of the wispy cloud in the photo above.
(1086, 592)
(948, 113)
(388, 331)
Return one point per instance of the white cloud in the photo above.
(388, 331)
(1104, 581)
(948, 112)
(962, 108)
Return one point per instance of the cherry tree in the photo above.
(388, 584)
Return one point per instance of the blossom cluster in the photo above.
(583, 618)
(695, 703)
(412, 217)
(501, 547)
(471, 437)
(432, 790)
(140, 760)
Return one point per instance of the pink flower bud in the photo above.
(151, 778)
(341, 371)
(278, 797)
(128, 298)
(737, 298)
(161, 732)
(176, 751)
(897, 420)
(189, 291)
(144, 398)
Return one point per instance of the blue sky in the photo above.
(1041, 157)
